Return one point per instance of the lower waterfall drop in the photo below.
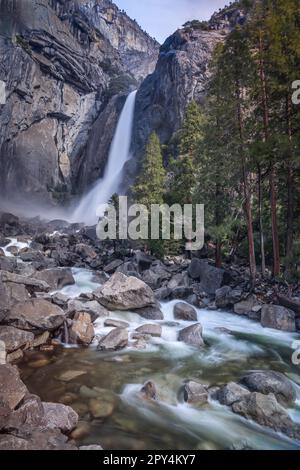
(119, 154)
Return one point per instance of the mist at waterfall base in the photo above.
(89, 209)
(86, 210)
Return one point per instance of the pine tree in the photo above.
(150, 185)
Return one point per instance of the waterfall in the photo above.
(118, 155)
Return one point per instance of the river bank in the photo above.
(145, 352)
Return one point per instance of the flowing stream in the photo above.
(89, 209)
(111, 382)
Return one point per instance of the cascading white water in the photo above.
(119, 154)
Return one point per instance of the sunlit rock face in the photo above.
(63, 64)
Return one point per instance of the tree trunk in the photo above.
(247, 195)
(273, 192)
(290, 184)
(261, 226)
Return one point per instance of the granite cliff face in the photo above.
(67, 66)
(181, 75)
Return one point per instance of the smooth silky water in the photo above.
(235, 345)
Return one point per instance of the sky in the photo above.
(161, 18)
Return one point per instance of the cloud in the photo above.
(160, 18)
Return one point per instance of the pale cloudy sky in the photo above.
(160, 18)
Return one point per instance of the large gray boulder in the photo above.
(36, 315)
(58, 416)
(115, 340)
(15, 339)
(12, 390)
(210, 278)
(192, 335)
(183, 311)
(82, 330)
(278, 317)
(125, 293)
(266, 411)
(195, 393)
(231, 393)
(92, 307)
(227, 297)
(245, 307)
(266, 381)
(150, 329)
(56, 278)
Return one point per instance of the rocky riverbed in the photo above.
(120, 350)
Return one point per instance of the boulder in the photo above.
(28, 415)
(115, 340)
(183, 311)
(244, 307)
(36, 315)
(116, 323)
(4, 300)
(152, 330)
(58, 416)
(195, 393)
(143, 260)
(266, 411)
(163, 293)
(271, 382)
(12, 390)
(149, 391)
(9, 219)
(210, 278)
(100, 408)
(112, 266)
(82, 330)
(192, 335)
(151, 313)
(30, 282)
(231, 393)
(15, 339)
(56, 278)
(85, 251)
(37, 439)
(226, 297)
(151, 278)
(278, 317)
(125, 293)
(91, 447)
(182, 292)
(2, 353)
(92, 307)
